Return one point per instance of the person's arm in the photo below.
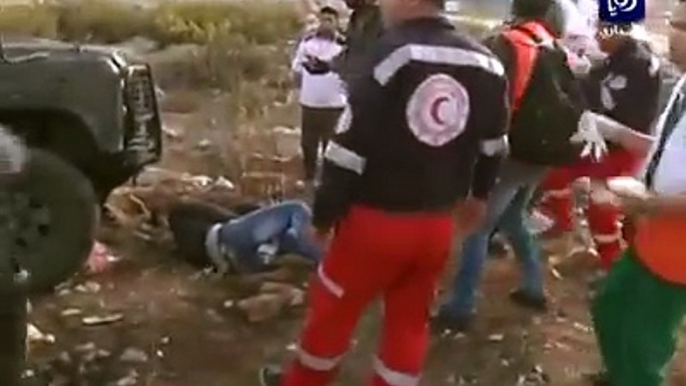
(492, 123)
(346, 156)
(637, 105)
(667, 205)
(504, 51)
(630, 139)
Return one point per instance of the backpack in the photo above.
(548, 101)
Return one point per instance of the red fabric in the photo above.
(658, 242)
(376, 254)
(602, 219)
(526, 52)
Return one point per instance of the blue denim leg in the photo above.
(513, 176)
(284, 223)
(474, 250)
(297, 239)
(525, 245)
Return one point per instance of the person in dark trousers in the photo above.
(422, 151)
(322, 95)
(508, 205)
(248, 239)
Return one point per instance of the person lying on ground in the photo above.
(245, 240)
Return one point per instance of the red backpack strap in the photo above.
(525, 39)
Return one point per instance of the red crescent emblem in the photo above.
(434, 109)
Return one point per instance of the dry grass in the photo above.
(243, 42)
(103, 21)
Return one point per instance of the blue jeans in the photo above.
(506, 209)
(284, 226)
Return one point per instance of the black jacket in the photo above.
(394, 150)
(364, 29)
(626, 87)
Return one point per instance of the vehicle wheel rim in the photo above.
(32, 225)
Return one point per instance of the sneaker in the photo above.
(445, 321)
(523, 299)
(270, 376)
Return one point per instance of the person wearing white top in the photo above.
(322, 94)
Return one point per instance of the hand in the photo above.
(588, 135)
(470, 215)
(316, 66)
(321, 236)
(636, 205)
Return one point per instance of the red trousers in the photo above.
(374, 254)
(603, 220)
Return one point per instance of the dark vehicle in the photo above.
(90, 117)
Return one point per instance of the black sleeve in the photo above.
(346, 154)
(491, 119)
(502, 48)
(637, 105)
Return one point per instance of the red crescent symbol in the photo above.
(434, 109)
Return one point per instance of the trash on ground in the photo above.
(102, 320)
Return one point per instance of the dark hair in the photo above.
(531, 9)
(328, 10)
(438, 3)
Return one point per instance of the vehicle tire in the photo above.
(56, 210)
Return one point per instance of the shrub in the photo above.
(241, 40)
(34, 20)
(106, 21)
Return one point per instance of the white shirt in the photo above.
(324, 90)
(670, 174)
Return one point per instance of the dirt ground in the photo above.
(181, 322)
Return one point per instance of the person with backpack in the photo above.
(624, 91)
(547, 106)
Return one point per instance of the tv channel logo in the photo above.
(622, 11)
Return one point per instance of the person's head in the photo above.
(611, 36)
(328, 19)
(397, 11)
(311, 23)
(354, 4)
(549, 12)
(677, 35)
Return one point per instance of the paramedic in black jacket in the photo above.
(418, 149)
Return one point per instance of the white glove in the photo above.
(588, 134)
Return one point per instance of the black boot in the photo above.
(270, 376)
(445, 321)
(523, 299)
